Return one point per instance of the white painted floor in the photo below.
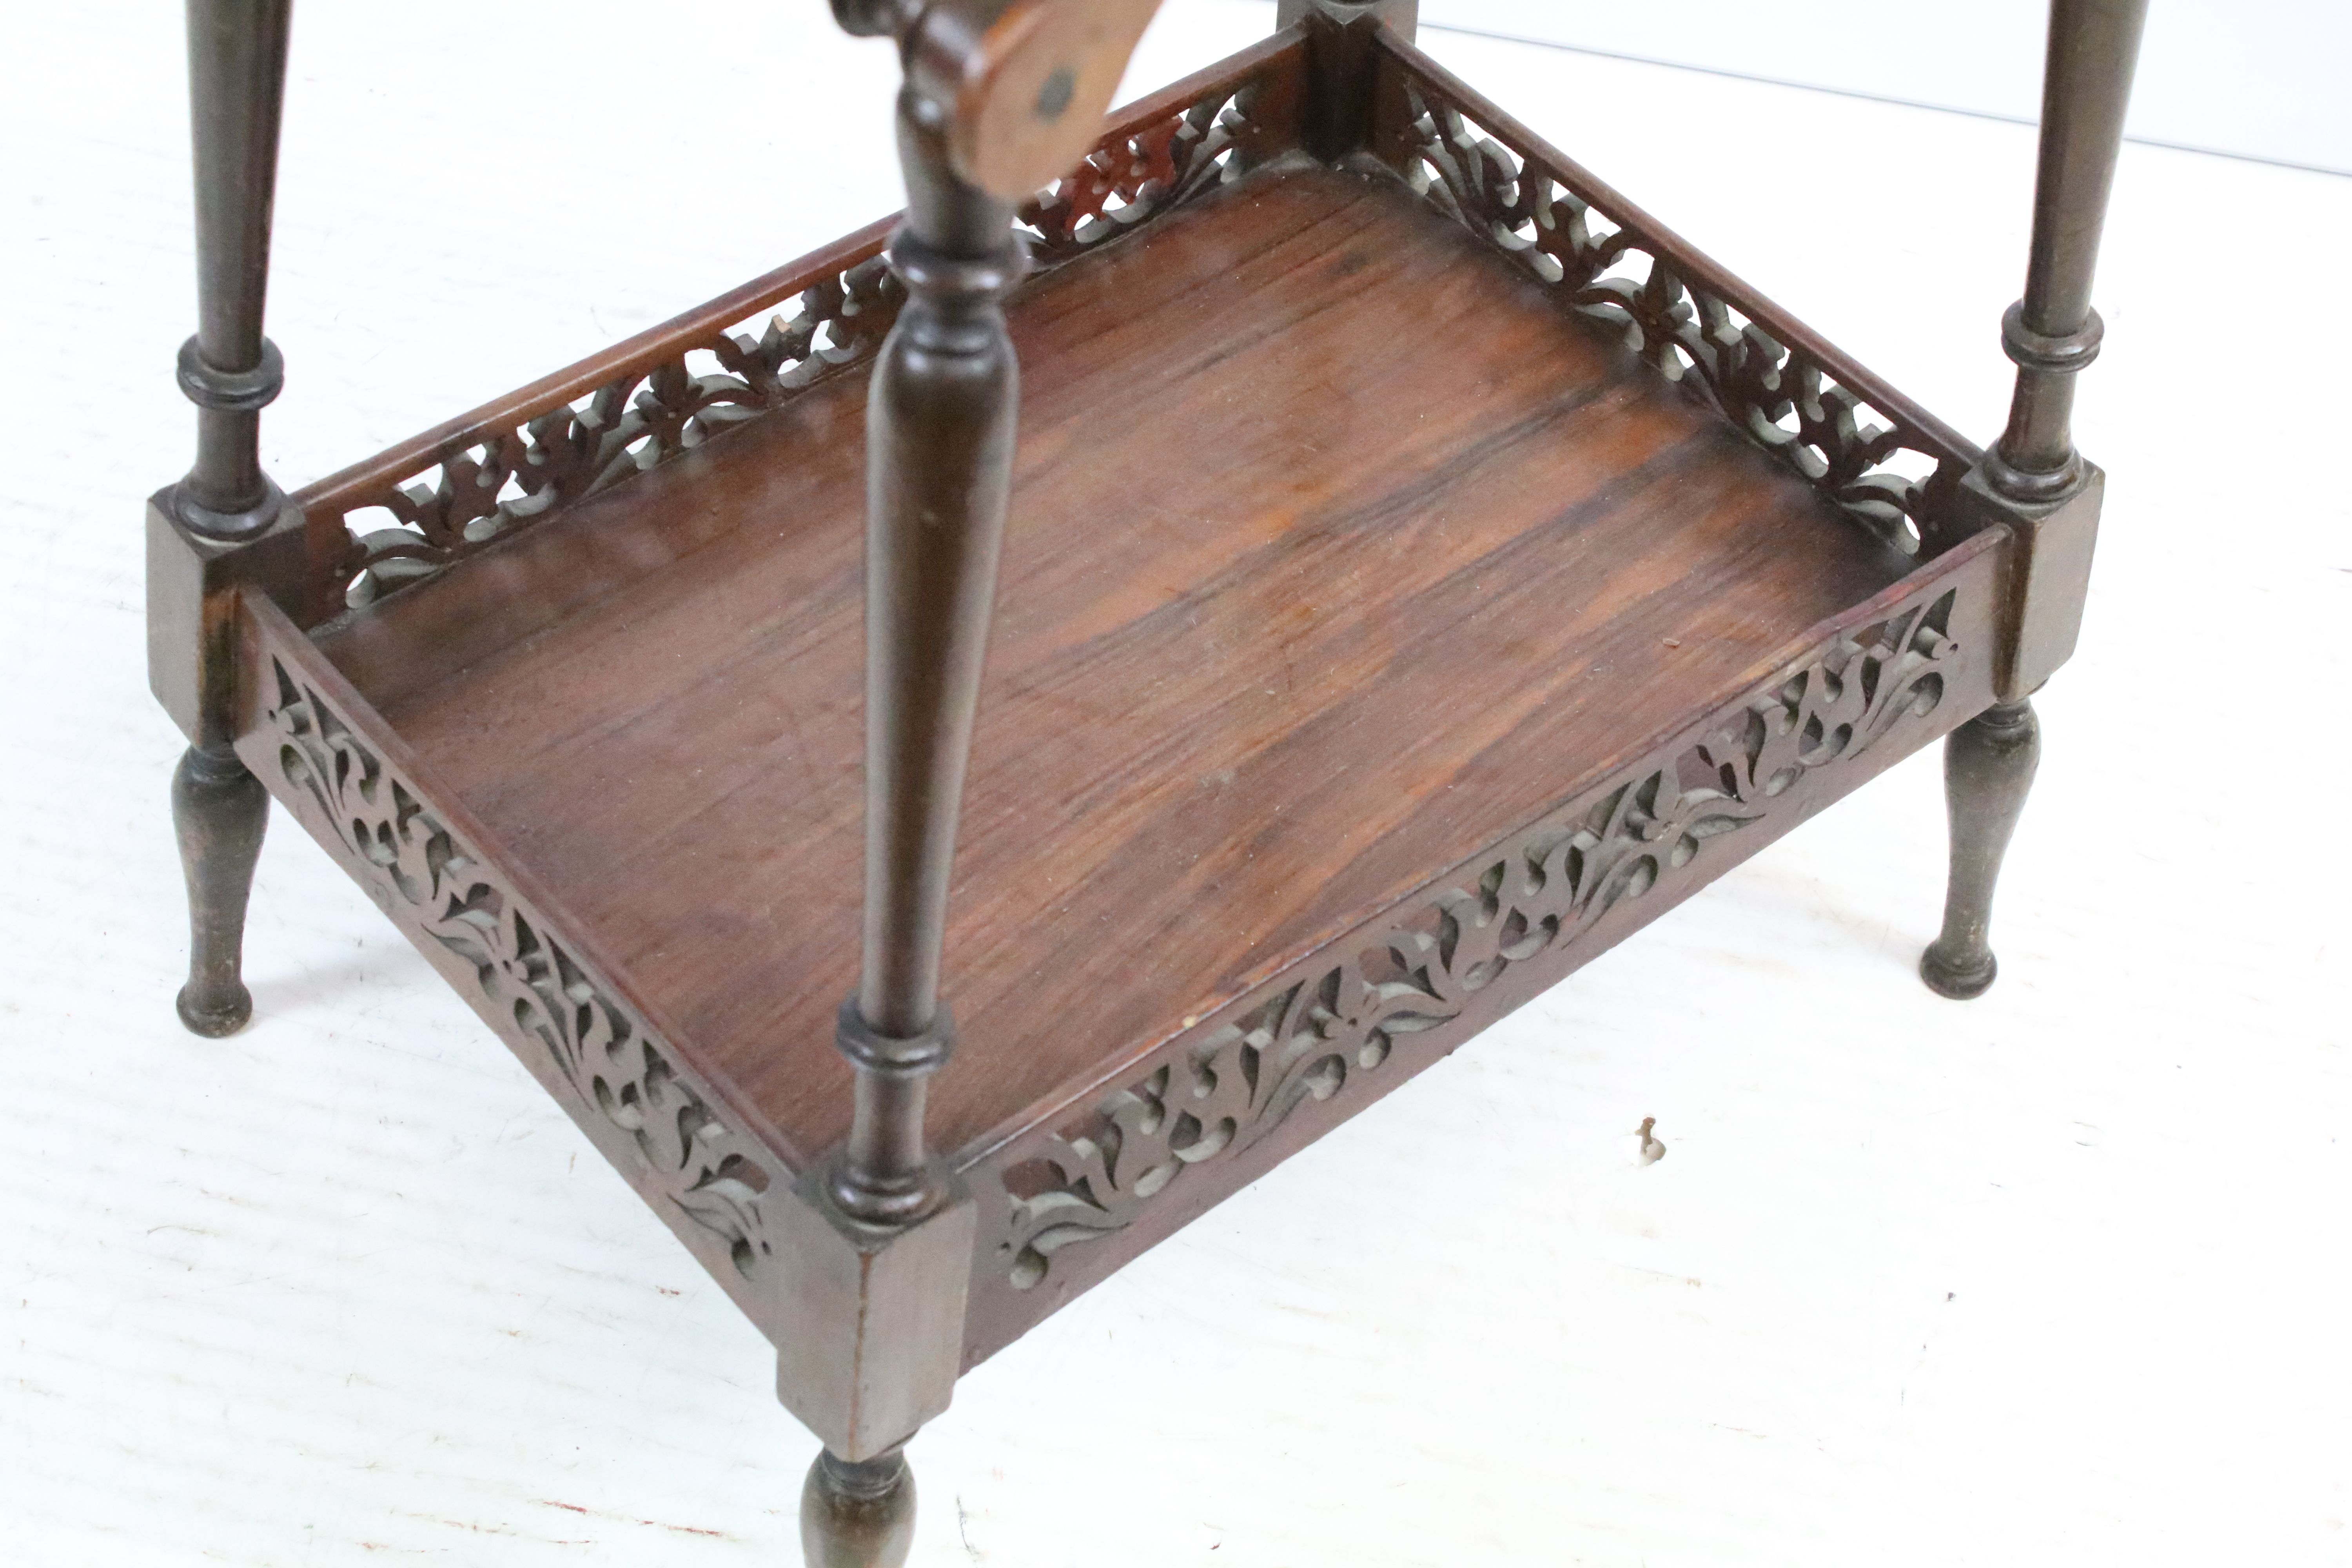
(2058, 1276)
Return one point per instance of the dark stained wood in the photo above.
(1334, 546)
(219, 812)
(1065, 1204)
(1025, 100)
(391, 521)
(236, 94)
(379, 482)
(1330, 1032)
(223, 527)
(700, 1156)
(1988, 767)
(941, 411)
(2052, 333)
(1402, 62)
(1383, 634)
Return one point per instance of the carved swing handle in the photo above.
(1017, 88)
(1030, 99)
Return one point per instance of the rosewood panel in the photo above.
(339, 768)
(1229, 1095)
(453, 491)
(1887, 462)
(1358, 528)
(1343, 607)
(1226, 1096)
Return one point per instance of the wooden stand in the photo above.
(1414, 569)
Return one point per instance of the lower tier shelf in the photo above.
(1376, 641)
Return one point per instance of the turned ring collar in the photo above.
(892, 1055)
(231, 391)
(2059, 353)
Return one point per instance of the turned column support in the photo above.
(236, 93)
(225, 527)
(2053, 333)
(2034, 483)
(219, 812)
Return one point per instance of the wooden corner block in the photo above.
(1401, 14)
(873, 1317)
(192, 611)
(2048, 578)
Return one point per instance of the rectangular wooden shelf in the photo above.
(1333, 550)
(1379, 635)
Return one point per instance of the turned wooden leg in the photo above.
(220, 811)
(1988, 765)
(857, 1515)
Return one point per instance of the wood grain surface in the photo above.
(1335, 549)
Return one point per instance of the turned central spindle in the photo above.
(939, 435)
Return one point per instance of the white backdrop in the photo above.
(2265, 79)
(2057, 1276)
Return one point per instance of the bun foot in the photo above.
(1960, 982)
(214, 1015)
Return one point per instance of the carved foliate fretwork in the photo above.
(621, 1082)
(1128, 180)
(517, 471)
(1314, 1033)
(483, 488)
(1880, 470)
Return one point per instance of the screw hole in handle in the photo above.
(1028, 100)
